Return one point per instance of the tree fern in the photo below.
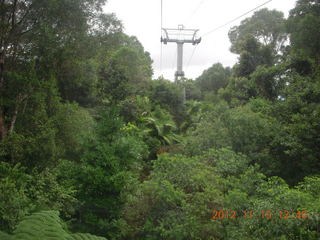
(42, 225)
(4, 236)
(45, 225)
(83, 236)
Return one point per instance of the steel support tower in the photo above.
(180, 36)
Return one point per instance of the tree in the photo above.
(258, 40)
(109, 167)
(25, 191)
(298, 110)
(240, 128)
(205, 197)
(214, 78)
(169, 96)
(193, 91)
(165, 93)
(247, 80)
(127, 72)
(252, 55)
(175, 203)
(266, 26)
(79, 64)
(269, 81)
(34, 31)
(160, 125)
(303, 25)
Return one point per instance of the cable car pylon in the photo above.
(180, 36)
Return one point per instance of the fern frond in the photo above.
(42, 225)
(5, 236)
(83, 236)
(45, 225)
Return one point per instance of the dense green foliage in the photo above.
(178, 199)
(89, 143)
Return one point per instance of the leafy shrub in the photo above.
(23, 193)
(175, 203)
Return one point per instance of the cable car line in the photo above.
(235, 19)
(227, 23)
(195, 11)
(161, 47)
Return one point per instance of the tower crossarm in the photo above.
(180, 36)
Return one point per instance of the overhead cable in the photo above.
(194, 12)
(227, 23)
(161, 50)
(235, 19)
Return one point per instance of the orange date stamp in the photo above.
(264, 214)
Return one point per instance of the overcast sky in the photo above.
(141, 18)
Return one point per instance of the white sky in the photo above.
(141, 18)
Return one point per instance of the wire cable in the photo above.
(161, 46)
(174, 59)
(235, 19)
(221, 26)
(195, 11)
(193, 52)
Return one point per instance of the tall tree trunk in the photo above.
(20, 100)
(3, 131)
(3, 128)
(1, 68)
(13, 120)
